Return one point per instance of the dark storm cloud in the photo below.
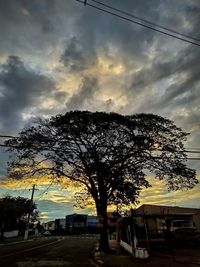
(60, 96)
(101, 30)
(37, 24)
(132, 41)
(85, 94)
(20, 88)
(32, 26)
(37, 11)
(186, 92)
(183, 90)
(77, 56)
(186, 61)
(41, 12)
(4, 158)
(183, 94)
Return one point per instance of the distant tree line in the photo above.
(13, 213)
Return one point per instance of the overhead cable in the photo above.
(139, 23)
(188, 158)
(146, 21)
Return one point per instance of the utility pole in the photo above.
(29, 214)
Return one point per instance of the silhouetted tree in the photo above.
(108, 153)
(13, 211)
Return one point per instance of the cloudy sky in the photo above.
(57, 56)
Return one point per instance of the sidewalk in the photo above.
(123, 259)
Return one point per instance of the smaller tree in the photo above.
(13, 212)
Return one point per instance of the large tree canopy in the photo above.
(108, 153)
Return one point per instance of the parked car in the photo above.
(190, 235)
(47, 233)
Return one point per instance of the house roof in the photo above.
(147, 209)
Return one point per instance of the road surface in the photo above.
(49, 252)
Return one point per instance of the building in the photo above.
(76, 223)
(88, 224)
(60, 226)
(157, 218)
(153, 223)
(92, 224)
(49, 226)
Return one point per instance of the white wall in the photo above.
(11, 233)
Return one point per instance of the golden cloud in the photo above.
(63, 190)
(59, 196)
(43, 215)
(107, 67)
(158, 194)
(10, 183)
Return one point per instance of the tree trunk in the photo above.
(104, 244)
(2, 230)
(2, 235)
(101, 206)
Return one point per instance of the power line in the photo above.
(24, 190)
(139, 23)
(45, 191)
(7, 191)
(17, 188)
(2, 145)
(190, 151)
(156, 157)
(7, 136)
(187, 151)
(192, 148)
(193, 158)
(146, 21)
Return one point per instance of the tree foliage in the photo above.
(13, 211)
(108, 153)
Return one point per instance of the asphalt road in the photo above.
(49, 252)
